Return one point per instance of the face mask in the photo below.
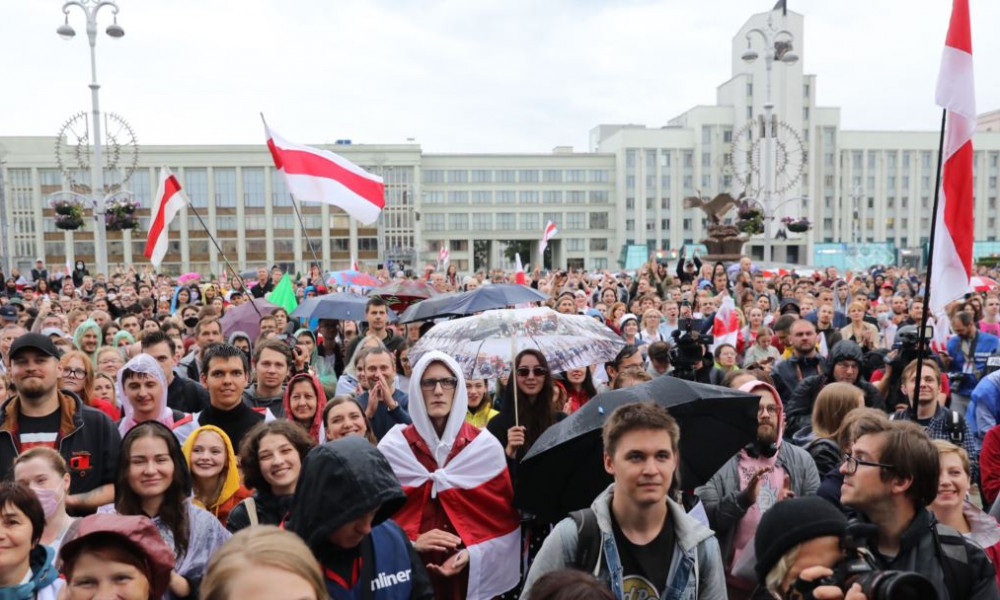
(191, 322)
(49, 499)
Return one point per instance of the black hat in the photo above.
(792, 522)
(39, 342)
(9, 312)
(789, 305)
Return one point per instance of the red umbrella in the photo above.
(401, 294)
(983, 284)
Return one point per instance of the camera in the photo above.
(859, 566)
(906, 344)
(688, 348)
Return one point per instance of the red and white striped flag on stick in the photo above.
(169, 200)
(953, 235)
(444, 255)
(547, 234)
(314, 175)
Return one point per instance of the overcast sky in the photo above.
(459, 75)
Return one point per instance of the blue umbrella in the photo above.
(493, 296)
(431, 308)
(343, 306)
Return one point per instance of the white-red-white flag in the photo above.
(547, 234)
(314, 175)
(444, 255)
(519, 270)
(952, 255)
(169, 200)
(726, 328)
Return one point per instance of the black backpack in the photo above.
(588, 540)
(954, 557)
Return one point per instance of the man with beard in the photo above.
(804, 362)
(41, 415)
(761, 474)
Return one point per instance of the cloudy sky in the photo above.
(459, 75)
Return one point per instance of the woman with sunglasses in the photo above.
(535, 414)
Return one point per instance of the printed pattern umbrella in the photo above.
(983, 284)
(401, 294)
(563, 471)
(352, 278)
(245, 317)
(344, 306)
(485, 345)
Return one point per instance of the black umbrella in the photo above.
(498, 295)
(430, 308)
(564, 470)
(344, 306)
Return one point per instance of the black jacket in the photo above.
(798, 409)
(271, 510)
(341, 481)
(786, 373)
(187, 395)
(90, 447)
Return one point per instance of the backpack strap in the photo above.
(954, 557)
(251, 506)
(588, 542)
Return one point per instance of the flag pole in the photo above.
(302, 224)
(921, 340)
(236, 275)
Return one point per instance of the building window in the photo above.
(629, 224)
(458, 197)
(599, 245)
(529, 221)
(225, 188)
(576, 220)
(600, 176)
(576, 197)
(482, 197)
(599, 197)
(482, 176)
(482, 221)
(433, 222)
(506, 222)
(552, 176)
(506, 176)
(598, 220)
(529, 198)
(665, 224)
(433, 176)
(749, 88)
(253, 188)
(576, 176)
(552, 197)
(505, 197)
(458, 222)
(433, 197)
(196, 187)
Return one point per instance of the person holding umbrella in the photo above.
(635, 538)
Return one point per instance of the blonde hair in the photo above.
(777, 573)
(833, 403)
(264, 545)
(55, 460)
(945, 447)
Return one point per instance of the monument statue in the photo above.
(724, 242)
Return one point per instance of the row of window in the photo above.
(505, 221)
(437, 176)
(514, 197)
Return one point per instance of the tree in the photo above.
(522, 247)
(480, 255)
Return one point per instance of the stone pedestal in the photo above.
(724, 243)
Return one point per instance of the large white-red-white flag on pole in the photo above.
(519, 276)
(954, 235)
(314, 175)
(169, 200)
(444, 255)
(547, 234)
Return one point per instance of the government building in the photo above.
(867, 194)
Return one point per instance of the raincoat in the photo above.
(78, 337)
(43, 582)
(233, 492)
(143, 363)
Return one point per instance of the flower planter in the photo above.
(120, 215)
(749, 214)
(798, 227)
(751, 226)
(69, 222)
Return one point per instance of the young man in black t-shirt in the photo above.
(648, 543)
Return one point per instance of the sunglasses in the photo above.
(538, 371)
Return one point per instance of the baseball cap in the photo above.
(39, 342)
(789, 305)
(8, 312)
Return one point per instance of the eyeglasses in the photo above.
(537, 371)
(852, 464)
(447, 383)
(74, 373)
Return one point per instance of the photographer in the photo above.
(888, 379)
(890, 477)
(968, 350)
(689, 352)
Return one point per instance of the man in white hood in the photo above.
(446, 465)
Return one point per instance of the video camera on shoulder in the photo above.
(689, 347)
(859, 566)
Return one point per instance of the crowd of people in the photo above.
(150, 452)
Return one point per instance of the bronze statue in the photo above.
(724, 242)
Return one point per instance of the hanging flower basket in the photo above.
(68, 207)
(754, 226)
(797, 225)
(749, 211)
(120, 215)
(69, 222)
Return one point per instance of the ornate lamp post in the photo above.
(777, 46)
(90, 9)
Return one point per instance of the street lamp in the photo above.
(90, 9)
(777, 46)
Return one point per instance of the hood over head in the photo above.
(340, 482)
(231, 474)
(841, 351)
(756, 387)
(440, 447)
(315, 428)
(82, 329)
(143, 363)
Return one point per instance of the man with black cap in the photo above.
(39, 414)
(799, 539)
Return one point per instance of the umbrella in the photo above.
(187, 277)
(982, 284)
(499, 295)
(344, 306)
(245, 317)
(354, 278)
(430, 308)
(401, 294)
(563, 471)
(484, 345)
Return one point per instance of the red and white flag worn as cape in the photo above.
(473, 486)
(726, 327)
(314, 175)
(169, 200)
(952, 268)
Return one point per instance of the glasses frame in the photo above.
(446, 383)
(75, 373)
(853, 462)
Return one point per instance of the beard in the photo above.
(767, 434)
(33, 389)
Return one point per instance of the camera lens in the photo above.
(895, 585)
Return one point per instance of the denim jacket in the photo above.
(696, 571)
